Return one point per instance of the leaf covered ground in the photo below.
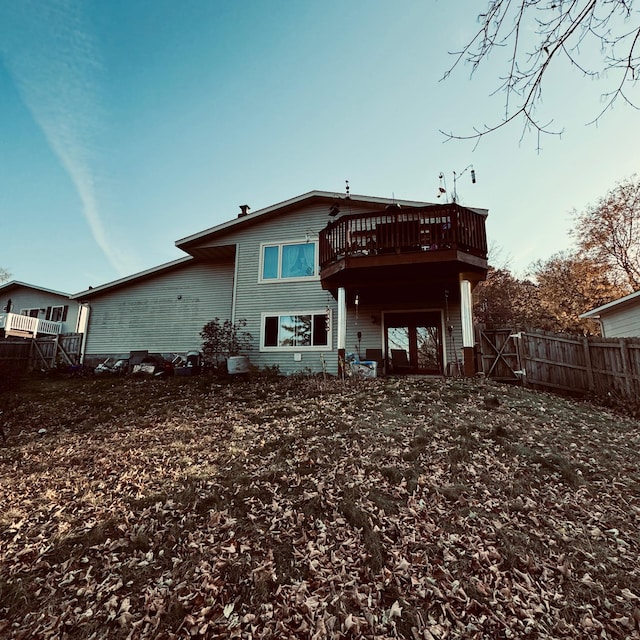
(310, 508)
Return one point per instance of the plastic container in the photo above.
(237, 364)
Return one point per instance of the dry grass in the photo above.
(310, 508)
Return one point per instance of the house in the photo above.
(30, 311)
(618, 319)
(316, 277)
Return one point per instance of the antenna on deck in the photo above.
(442, 188)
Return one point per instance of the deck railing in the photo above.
(404, 230)
(26, 324)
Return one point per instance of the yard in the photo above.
(311, 508)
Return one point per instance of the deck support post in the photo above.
(466, 319)
(342, 329)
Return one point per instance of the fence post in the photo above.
(626, 368)
(587, 362)
(522, 348)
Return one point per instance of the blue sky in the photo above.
(126, 125)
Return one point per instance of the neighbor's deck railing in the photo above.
(404, 230)
(15, 322)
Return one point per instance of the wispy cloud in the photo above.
(49, 51)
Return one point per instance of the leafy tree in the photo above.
(568, 285)
(609, 232)
(559, 290)
(600, 38)
(504, 300)
(4, 275)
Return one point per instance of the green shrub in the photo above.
(221, 339)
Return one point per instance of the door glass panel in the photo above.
(398, 344)
(428, 348)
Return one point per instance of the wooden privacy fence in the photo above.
(562, 362)
(41, 353)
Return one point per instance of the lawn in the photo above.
(311, 508)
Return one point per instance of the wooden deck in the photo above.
(446, 237)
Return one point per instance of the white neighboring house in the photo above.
(618, 319)
(28, 311)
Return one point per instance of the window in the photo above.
(294, 260)
(57, 314)
(32, 313)
(296, 331)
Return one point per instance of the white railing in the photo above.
(26, 324)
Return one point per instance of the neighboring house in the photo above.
(618, 319)
(315, 277)
(28, 311)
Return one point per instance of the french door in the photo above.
(413, 342)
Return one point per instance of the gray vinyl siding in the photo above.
(622, 323)
(25, 298)
(453, 340)
(162, 313)
(254, 297)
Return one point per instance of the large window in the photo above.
(288, 261)
(296, 331)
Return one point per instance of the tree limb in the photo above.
(562, 29)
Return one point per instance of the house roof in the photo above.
(92, 291)
(282, 207)
(14, 284)
(612, 306)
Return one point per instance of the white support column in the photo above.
(83, 327)
(342, 319)
(466, 313)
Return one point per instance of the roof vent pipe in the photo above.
(244, 210)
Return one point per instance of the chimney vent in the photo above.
(244, 210)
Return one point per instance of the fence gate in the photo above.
(500, 354)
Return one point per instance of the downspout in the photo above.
(235, 284)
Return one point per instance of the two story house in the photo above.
(317, 277)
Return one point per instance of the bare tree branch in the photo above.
(563, 30)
